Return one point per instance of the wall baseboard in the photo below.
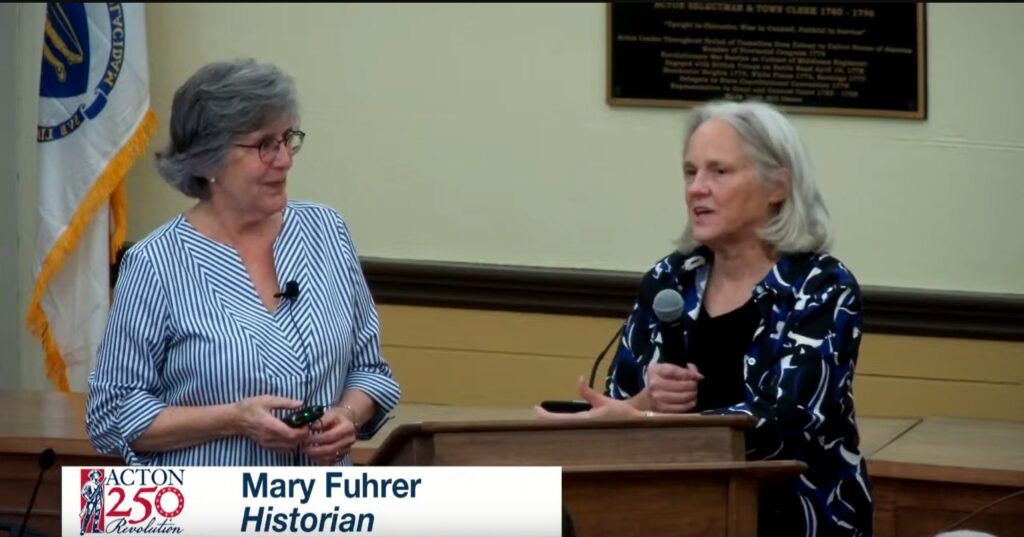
(598, 293)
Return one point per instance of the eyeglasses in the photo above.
(292, 140)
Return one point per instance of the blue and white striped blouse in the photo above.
(187, 328)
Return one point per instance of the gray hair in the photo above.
(220, 101)
(802, 223)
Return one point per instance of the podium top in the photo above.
(563, 441)
(653, 422)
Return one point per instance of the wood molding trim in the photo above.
(600, 293)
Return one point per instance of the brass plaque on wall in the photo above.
(825, 58)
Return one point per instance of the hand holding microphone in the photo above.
(671, 387)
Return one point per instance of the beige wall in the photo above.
(10, 370)
(27, 60)
(480, 133)
(485, 358)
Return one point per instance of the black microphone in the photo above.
(291, 290)
(46, 460)
(668, 307)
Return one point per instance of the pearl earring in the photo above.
(212, 179)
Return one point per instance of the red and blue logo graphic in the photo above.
(91, 515)
(131, 500)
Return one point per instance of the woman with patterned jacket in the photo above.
(770, 325)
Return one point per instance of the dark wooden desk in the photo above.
(942, 470)
(927, 473)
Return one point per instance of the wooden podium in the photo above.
(927, 473)
(673, 475)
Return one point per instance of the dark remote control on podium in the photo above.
(565, 407)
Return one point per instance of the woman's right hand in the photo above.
(672, 389)
(259, 423)
(601, 406)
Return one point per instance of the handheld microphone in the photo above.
(668, 307)
(46, 460)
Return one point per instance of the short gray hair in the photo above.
(802, 223)
(220, 101)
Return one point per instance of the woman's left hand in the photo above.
(601, 406)
(331, 438)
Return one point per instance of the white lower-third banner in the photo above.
(384, 501)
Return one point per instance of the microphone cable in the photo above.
(980, 510)
(291, 295)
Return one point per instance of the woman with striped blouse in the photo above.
(243, 308)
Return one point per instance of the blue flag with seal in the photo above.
(94, 122)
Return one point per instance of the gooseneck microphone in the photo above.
(668, 307)
(593, 370)
(46, 460)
